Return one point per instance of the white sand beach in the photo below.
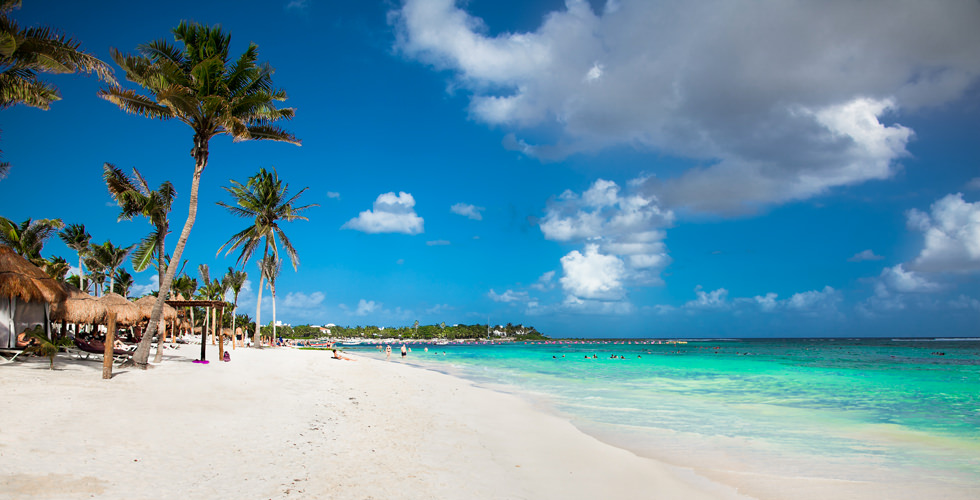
(285, 423)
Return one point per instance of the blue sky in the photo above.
(620, 168)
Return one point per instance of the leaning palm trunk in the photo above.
(162, 292)
(142, 354)
(273, 314)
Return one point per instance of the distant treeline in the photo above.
(442, 331)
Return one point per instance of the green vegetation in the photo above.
(421, 332)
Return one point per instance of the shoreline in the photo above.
(281, 423)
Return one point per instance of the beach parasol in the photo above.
(79, 307)
(19, 278)
(146, 304)
(127, 313)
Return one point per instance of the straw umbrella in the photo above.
(78, 308)
(21, 280)
(126, 312)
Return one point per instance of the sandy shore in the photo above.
(278, 423)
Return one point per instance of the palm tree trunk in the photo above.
(81, 274)
(142, 353)
(273, 313)
(256, 337)
(160, 248)
(234, 335)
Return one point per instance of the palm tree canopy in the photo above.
(76, 238)
(264, 198)
(201, 87)
(28, 238)
(235, 280)
(135, 197)
(25, 52)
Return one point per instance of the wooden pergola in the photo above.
(217, 308)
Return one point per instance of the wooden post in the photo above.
(219, 332)
(110, 337)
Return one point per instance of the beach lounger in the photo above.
(9, 355)
(89, 348)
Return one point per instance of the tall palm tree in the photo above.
(135, 197)
(264, 198)
(26, 52)
(235, 280)
(27, 238)
(271, 267)
(201, 87)
(111, 257)
(78, 240)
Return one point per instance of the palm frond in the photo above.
(137, 104)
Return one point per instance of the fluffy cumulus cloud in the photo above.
(623, 236)
(508, 296)
(467, 210)
(592, 275)
(823, 303)
(365, 307)
(775, 101)
(952, 235)
(391, 214)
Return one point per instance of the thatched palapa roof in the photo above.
(146, 304)
(19, 278)
(126, 312)
(79, 307)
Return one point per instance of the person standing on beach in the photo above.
(404, 351)
(387, 352)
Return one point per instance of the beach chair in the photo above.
(87, 348)
(10, 355)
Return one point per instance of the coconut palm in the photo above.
(135, 198)
(27, 238)
(235, 280)
(123, 282)
(26, 52)
(201, 87)
(265, 199)
(56, 267)
(78, 240)
(111, 257)
(271, 267)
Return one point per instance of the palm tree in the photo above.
(27, 238)
(235, 280)
(135, 198)
(123, 282)
(78, 240)
(264, 198)
(56, 267)
(202, 88)
(271, 267)
(26, 52)
(111, 257)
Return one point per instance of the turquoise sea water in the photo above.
(856, 410)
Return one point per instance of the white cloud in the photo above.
(508, 296)
(593, 275)
(864, 256)
(815, 302)
(622, 225)
(333, 195)
(365, 307)
(299, 5)
(138, 290)
(973, 184)
(391, 214)
(437, 243)
(774, 101)
(717, 299)
(767, 303)
(952, 235)
(900, 280)
(467, 210)
(300, 300)
(545, 282)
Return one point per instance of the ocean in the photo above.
(896, 417)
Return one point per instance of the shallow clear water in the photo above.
(842, 409)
